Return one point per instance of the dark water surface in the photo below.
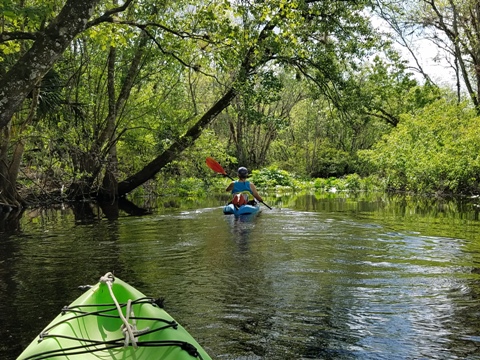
(314, 278)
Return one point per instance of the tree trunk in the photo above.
(8, 192)
(103, 153)
(10, 167)
(26, 73)
(110, 185)
(19, 81)
(151, 169)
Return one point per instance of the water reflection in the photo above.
(314, 278)
(241, 228)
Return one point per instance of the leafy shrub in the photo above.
(326, 184)
(435, 150)
(353, 182)
(332, 163)
(271, 177)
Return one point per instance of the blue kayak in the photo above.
(231, 209)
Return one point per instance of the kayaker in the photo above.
(242, 185)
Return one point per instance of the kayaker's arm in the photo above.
(230, 187)
(255, 193)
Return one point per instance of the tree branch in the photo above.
(107, 16)
(17, 35)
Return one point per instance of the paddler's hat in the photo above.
(242, 172)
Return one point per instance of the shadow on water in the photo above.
(344, 276)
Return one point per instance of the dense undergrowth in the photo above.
(268, 180)
(273, 180)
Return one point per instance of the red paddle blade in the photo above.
(215, 166)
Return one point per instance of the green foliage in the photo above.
(435, 150)
(322, 140)
(271, 176)
(261, 110)
(22, 17)
(381, 90)
(332, 162)
(184, 187)
(351, 182)
(326, 184)
(308, 98)
(50, 93)
(189, 188)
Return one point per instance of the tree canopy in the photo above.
(99, 97)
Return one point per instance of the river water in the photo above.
(317, 277)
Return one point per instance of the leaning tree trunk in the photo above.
(151, 169)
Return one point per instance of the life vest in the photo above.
(240, 199)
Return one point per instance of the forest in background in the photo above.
(100, 99)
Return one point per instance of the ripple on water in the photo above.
(284, 285)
